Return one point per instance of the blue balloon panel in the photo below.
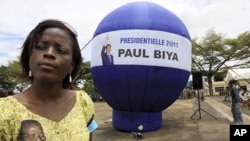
(139, 88)
(131, 121)
(142, 15)
(138, 93)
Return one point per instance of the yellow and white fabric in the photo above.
(72, 128)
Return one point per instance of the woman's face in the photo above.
(51, 57)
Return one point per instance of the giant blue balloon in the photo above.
(148, 66)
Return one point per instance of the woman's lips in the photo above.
(47, 66)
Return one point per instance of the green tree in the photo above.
(5, 82)
(214, 54)
(9, 78)
(14, 69)
(9, 75)
(85, 80)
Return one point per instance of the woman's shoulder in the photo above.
(85, 102)
(9, 106)
(6, 101)
(84, 98)
(82, 94)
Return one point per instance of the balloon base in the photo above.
(136, 121)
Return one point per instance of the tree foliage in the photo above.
(9, 76)
(214, 54)
(84, 80)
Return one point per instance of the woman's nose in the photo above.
(49, 53)
(50, 50)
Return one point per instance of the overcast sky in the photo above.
(19, 17)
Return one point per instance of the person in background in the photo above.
(245, 98)
(244, 94)
(236, 101)
(50, 61)
(227, 95)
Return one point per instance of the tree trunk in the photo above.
(210, 85)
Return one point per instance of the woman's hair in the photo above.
(34, 36)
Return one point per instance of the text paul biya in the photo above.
(142, 53)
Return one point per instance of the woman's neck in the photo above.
(46, 92)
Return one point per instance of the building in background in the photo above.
(220, 84)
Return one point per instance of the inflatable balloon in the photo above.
(140, 63)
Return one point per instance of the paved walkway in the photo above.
(224, 109)
(181, 122)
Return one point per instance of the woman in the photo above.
(50, 60)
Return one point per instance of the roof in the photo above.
(238, 74)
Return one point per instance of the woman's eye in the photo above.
(61, 50)
(40, 47)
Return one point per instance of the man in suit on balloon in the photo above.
(107, 57)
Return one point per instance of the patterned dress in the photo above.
(72, 128)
